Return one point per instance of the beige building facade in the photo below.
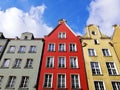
(101, 62)
(116, 40)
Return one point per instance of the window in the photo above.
(62, 47)
(91, 52)
(61, 81)
(22, 49)
(17, 63)
(32, 49)
(61, 62)
(29, 63)
(11, 49)
(73, 47)
(50, 62)
(6, 63)
(51, 47)
(93, 33)
(24, 82)
(62, 35)
(111, 68)
(1, 48)
(116, 85)
(11, 82)
(106, 52)
(75, 81)
(1, 78)
(99, 85)
(73, 62)
(95, 68)
(48, 81)
(96, 41)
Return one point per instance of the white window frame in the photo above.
(96, 68)
(62, 35)
(24, 82)
(112, 68)
(33, 49)
(96, 41)
(62, 47)
(17, 63)
(61, 83)
(72, 47)
(74, 62)
(48, 80)
(29, 63)
(6, 63)
(51, 62)
(106, 52)
(79, 86)
(61, 63)
(11, 49)
(11, 82)
(99, 84)
(51, 48)
(116, 85)
(92, 52)
(22, 49)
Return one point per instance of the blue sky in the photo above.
(41, 16)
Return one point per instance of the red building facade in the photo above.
(62, 65)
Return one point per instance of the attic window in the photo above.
(93, 33)
(62, 35)
(26, 37)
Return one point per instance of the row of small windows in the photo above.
(75, 82)
(22, 49)
(12, 80)
(61, 81)
(99, 85)
(62, 47)
(17, 63)
(105, 52)
(62, 62)
(111, 67)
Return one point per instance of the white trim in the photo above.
(99, 81)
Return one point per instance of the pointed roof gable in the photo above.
(61, 22)
(91, 28)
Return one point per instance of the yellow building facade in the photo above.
(101, 62)
(116, 40)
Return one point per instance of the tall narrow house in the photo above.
(19, 65)
(116, 40)
(101, 62)
(62, 63)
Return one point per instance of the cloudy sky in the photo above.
(41, 16)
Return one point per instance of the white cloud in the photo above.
(14, 21)
(104, 13)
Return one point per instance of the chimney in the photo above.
(62, 21)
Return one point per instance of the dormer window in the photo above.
(62, 35)
(26, 37)
(93, 33)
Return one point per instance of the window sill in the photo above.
(16, 67)
(97, 74)
(115, 75)
(20, 52)
(31, 52)
(9, 88)
(46, 88)
(61, 88)
(28, 67)
(11, 52)
(76, 89)
(4, 67)
(74, 67)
